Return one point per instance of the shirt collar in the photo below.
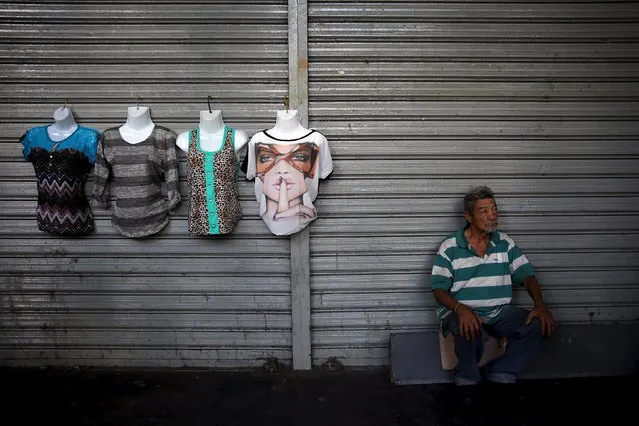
(461, 240)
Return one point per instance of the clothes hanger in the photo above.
(64, 107)
(286, 103)
(208, 100)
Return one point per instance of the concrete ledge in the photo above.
(572, 351)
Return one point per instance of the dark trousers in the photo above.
(523, 341)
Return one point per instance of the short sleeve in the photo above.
(442, 273)
(520, 266)
(25, 140)
(325, 159)
(244, 165)
(250, 157)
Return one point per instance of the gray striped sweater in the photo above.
(133, 175)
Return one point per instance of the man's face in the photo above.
(485, 216)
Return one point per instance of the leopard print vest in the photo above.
(214, 205)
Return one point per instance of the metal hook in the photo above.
(286, 103)
(65, 104)
(138, 104)
(208, 100)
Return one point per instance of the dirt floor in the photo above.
(362, 397)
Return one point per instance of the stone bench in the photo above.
(572, 351)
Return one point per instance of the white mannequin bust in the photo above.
(64, 125)
(211, 133)
(138, 126)
(288, 126)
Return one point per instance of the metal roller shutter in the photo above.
(422, 100)
(419, 101)
(171, 299)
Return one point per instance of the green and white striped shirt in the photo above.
(482, 283)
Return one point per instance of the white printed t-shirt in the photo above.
(286, 174)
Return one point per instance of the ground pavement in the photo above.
(350, 397)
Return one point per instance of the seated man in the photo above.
(472, 279)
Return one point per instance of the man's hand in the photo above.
(545, 317)
(469, 322)
(540, 311)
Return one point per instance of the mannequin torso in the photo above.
(64, 125)
(211, 134)
(138, 126)
(288, 126)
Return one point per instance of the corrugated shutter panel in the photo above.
(420, 101)
(172, 299)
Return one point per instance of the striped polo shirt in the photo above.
(482, 283)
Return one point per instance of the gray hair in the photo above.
(476, 193)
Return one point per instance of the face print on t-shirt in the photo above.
(283, 170)
(286, 176)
